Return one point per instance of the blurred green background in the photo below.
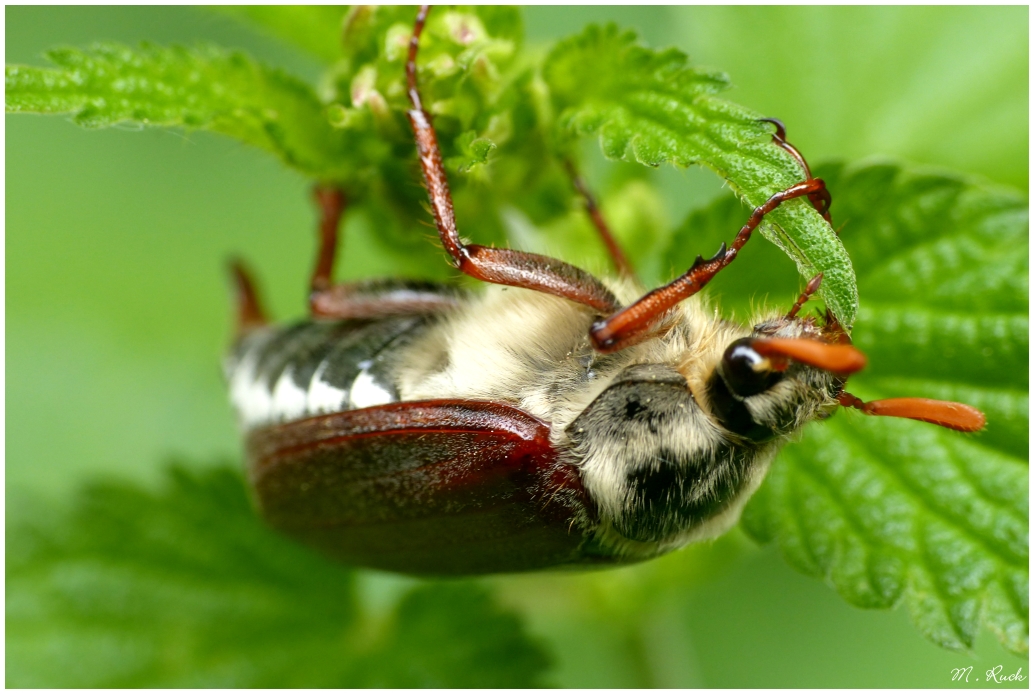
(117, 308)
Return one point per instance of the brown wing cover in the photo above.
(443, 487)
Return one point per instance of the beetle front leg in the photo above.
(634, 323)
(820, 199)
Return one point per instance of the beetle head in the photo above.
(792, 370)
(666, 465)
(788, 372)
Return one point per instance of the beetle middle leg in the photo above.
(496, 265)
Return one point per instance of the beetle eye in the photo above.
(745, 371)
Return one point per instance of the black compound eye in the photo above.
(745, 371)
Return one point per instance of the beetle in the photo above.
(555, 419)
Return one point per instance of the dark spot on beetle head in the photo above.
(633, 407)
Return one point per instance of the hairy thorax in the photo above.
(660, 470)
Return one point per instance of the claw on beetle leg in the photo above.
(820, 198)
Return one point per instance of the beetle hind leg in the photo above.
(331, 202)
(250, 314)
(369, 298)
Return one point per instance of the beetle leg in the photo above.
(813, 286)
(821, 199)
(250, 314)
(366, 299)
(633, 323)
(331, 202)
(636, 322)
(613, 248)
(496, 265)
(380, 297)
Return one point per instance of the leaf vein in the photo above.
(916, 494)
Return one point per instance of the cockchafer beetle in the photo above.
(567, 421)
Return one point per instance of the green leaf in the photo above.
(473, 150)
(651, 107)
(196, 89)
(455, 635)
(892, 510)
(184, 587)
(315, 28)
(464, 53)
(177, 588)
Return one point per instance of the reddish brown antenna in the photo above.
(951, 415)
(840, 359)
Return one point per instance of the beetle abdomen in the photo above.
(282, 374)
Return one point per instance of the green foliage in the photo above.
(454, 635)
(474, 151)
(184, 587)
(933, 84)
(205, 88)
(895, 511)
(315, 28)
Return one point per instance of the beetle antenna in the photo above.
(842, 359)
(951, 415)
(813, 286)
(617, 255)
(250, 314)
